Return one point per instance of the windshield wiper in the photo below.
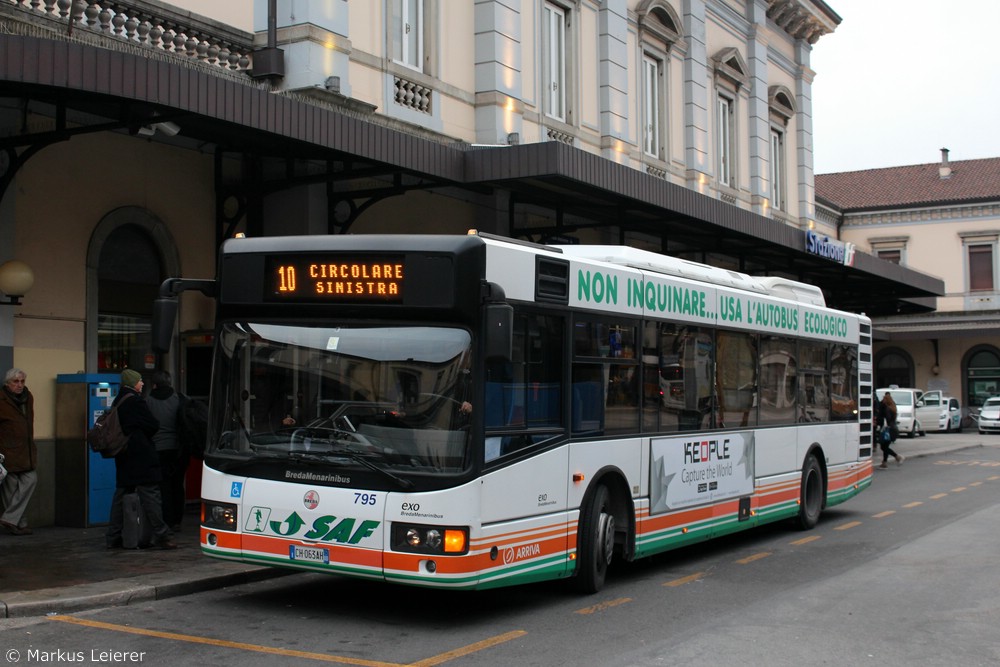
(371, 465)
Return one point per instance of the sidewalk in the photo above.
(63, 570)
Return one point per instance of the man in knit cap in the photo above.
(137, 467)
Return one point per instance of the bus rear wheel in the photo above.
(811, 494)
(596, 542)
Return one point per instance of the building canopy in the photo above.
(86, 89)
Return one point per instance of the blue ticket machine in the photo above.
(85, 481)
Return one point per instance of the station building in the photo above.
(940, 218)
(136, 136)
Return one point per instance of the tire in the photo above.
(596, 542)
(811, 494)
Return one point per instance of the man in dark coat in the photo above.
(17, 444)
(137, 466)
(165, 404)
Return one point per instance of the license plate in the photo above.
(310, 554)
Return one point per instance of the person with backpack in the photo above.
(165, 404)
(137, 467)
(887, 410)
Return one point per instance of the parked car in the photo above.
(906, 399)
(937, 412)
(989, 416)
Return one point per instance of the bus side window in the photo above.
(524, 396)
(736, 379)
(843, 382)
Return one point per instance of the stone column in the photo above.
(697, 97)
(499, 95)
(612, 75)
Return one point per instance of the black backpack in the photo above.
(107, 437)
(192, 425)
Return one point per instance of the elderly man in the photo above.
(17, 444)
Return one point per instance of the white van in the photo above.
(938, 412)
(906, 402)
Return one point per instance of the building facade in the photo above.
(136, 136)
(943, 219)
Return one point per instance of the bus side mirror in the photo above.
(499, 331)
(164, 316)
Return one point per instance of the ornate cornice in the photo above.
(915, 215)
(803, 19)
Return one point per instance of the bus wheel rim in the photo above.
(606, 537)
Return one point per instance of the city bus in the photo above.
(469, 412)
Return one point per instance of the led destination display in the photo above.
(335, 278)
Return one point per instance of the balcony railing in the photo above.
(148, 24)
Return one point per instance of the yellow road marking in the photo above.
(685, 580)
(958, 489)
(976, 484)
(850, 524)
(916, 503)
(322, 657)
(993, 478)
(602, 606)
(750, 559)
(881, 515)
(939, 496)
(806, 540)
(471, 648)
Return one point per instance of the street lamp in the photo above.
(16, 278)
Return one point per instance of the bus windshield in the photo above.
(391, 398)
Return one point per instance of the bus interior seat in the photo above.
(588, 403)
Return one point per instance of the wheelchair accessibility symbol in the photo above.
(237, 490)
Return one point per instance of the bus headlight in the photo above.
(220, 516)
(421, 539)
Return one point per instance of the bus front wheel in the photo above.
(811, 495)
(596, 542)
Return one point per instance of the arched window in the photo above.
(657, 34)
(129, 255)
(982, 373)
(781, 104)
(893, 367)
(129, 274)
(730, 75)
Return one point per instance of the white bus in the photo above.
(471, 412)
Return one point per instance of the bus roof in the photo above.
(673, 266)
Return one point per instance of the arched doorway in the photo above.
(981, 368)
(893, 367)
(130, 254)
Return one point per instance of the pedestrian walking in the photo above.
(888, 418)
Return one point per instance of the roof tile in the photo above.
(908, 186)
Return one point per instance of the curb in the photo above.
(51, 601)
